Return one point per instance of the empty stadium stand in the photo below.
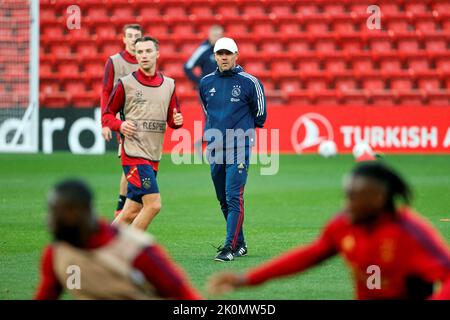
(305, 52)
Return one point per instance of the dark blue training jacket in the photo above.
(233, 99)
(202, 57)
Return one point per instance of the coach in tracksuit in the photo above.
(234, 104)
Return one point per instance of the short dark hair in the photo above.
(147, 38)
(395, 185)
(76, 192)
(134, 26)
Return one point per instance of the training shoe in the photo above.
(240, 251)
(225, 254)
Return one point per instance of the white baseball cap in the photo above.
(225, 44)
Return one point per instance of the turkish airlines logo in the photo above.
(309, 130)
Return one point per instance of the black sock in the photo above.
(121, 202)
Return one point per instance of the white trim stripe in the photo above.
(197, 54)
(261, 104)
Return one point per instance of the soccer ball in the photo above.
(361, 148)
(327, 148)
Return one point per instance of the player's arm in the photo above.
(202, 97)
(174, 116)
(258, 104)
(49, 287)
(108, 82)
(430, 259)
(115, 104)
(168, 279)
(289, 263)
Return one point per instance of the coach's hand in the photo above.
(224, 282)
(106, 133)
(177, 117)
(128, 129)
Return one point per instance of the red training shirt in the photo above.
(404, 248)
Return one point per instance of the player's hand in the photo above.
(224, 282)
(128, 129)
(106, 133)
(177, 117)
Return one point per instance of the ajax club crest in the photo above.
(236, 91)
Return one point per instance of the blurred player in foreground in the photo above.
(146, 101)
(117, 66)
(371, 232)
(112, 262)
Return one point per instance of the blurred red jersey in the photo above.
(408, 253)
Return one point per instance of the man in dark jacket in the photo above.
(234, 104)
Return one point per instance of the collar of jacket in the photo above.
(229, 73)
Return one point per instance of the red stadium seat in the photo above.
(156, 30)
(172, 70)
(148, 14)
(327, 98)
(202, 11)
(316, 26)
(333, 8)
(166, 48)
(380, 45)
(105, 32)
(343, 25)
(442, 7)
(281, 66)
(410, 98)
(316, 83)
(362, 64)
(428, 82)
(86, 50)
(418, 64)
(289, 85)
(253, 11)
(308, 64)
(399, 24)
(298, 46)
(60, 50)
(373, 83)
(68, 70)
(175, 11)
(94, 70)
(325, 45)
(300, 98)
(389, 8)
(354, 97)
(438, 98)
(228, 11)
(351, 44)
(306, 9)
(112, 48)
(247, 47)
(77, 35)
(436, 44)
(335, 64)
(54, 100)
(345, 83)
(443, 64)
(236, 29)
(408, 44)
(382, 98)
(98, 13)
(390, 64)
(73, 87)
(263, 28)
(289, 28)
(282, 10)
(124, 13)
(271, 47)
(425, 24)
(416, 7)
(182, 29)
(255, 67)
(45, 70)
(401, 83)
(86, 99)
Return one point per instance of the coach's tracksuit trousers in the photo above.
(229, 177)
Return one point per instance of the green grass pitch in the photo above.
(282, 211)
